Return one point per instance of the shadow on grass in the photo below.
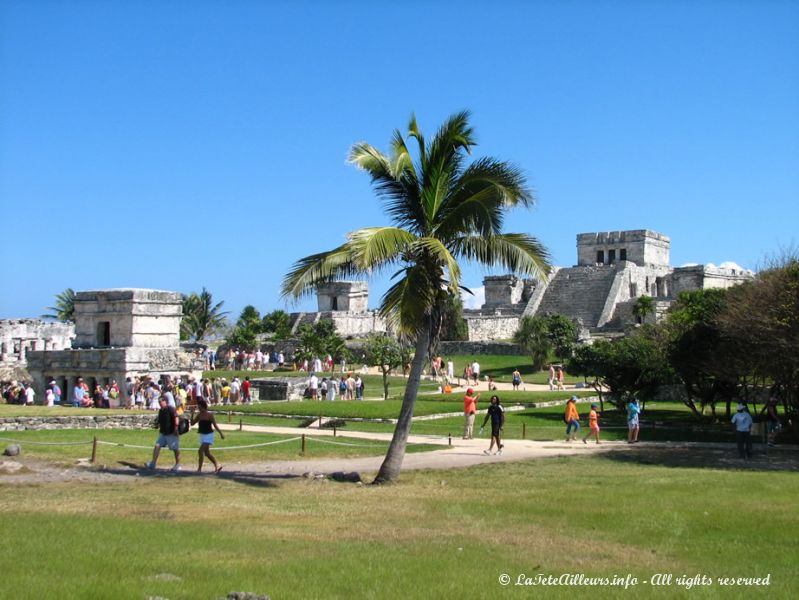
(227, 474)
(714, 457)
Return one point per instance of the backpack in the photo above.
(183, 425)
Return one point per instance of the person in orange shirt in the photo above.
(593, 425)
(572, 419)
(469, 410)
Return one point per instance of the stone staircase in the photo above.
(305, 319)
(579, 293)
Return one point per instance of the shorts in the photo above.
(496, 430)
(168, 441)
(773, 426)
(595, 428)
(207, 438)
(632, 423)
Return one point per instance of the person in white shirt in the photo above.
(476, 372)
(313, 385)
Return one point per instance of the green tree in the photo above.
(643, 307)
(278, 323)
(385, 352)
(562, 332)
(250, 318)
(319, 340)
(453, 325)
(64, 309)
(241, 338)
(444, 211)
(533, 337)
(201, 317)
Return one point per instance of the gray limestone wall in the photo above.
(478, 348)
(78, 422)
(19, 336)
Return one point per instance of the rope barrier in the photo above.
(5, 439)
(216, 448)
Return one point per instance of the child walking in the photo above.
(593, 425)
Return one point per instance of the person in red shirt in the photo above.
(245, 391)
(469, 410)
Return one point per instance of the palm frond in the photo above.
(519, 253)
(307, 272)
(372, 248)
(441, 255)
(405, 304)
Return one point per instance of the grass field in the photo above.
(436, 535)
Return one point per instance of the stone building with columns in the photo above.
(119, 333)
(19, 336)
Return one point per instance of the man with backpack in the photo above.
(168, 433)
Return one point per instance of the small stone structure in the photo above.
(280, 388)
(120, 333)
(18, 336)
(346, 304)
(613, 270)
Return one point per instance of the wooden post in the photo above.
(228, 416)
(524, 431)
(334, 431)
(240, 425)
(449, 436)
(303, 445)
(94, 450)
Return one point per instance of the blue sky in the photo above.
(177, 145)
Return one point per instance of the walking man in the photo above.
(168, 435)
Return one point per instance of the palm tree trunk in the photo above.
(392, 463)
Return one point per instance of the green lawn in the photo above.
(436, 535)
(501, 367)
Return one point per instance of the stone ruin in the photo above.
(119, 333)
(613, 270)
(346, 304)
(19, 336)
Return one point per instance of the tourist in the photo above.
(332, 388)
(226, 392)
(743, 431)
(78, 393)
(317, 364)
(329, 363)
(572, 419)
(49, 396)
(516, 379)
(467, 374)
(30, 394)
(342, 388)
(168, 435)
(130, 393)
(153, 393)
(633, 421)
(593, 425)
(497, 415)
(313, 386)
(212, 359)
(450, 371)
(323, 388)
(476, 372)
(259, 360)
(560, 379)
(358, 388)
(469, 411)
(56, 392)
(551, 378)
(245, 391)
(216, 391)
(235, 390)
(206, 425)
(208, 391)
(773, 424)
(281, 359)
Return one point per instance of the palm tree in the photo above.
(443, 211)
(644, 306)
(201, 317)
(64, 309)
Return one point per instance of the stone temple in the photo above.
(613, 270)
(119, 333)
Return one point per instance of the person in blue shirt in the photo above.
(743, 431)
(633, 423)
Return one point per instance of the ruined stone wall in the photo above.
(18, 336)
(487, 327)
(641, 246)
(78, 422)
